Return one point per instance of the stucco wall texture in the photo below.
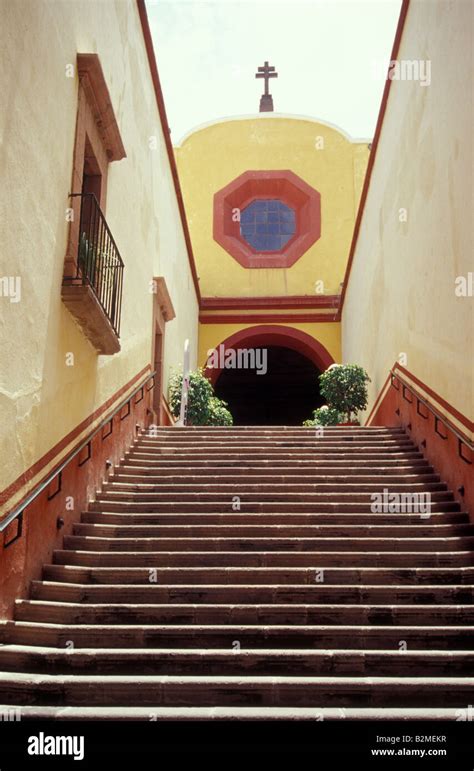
(401, 298)
(42, 398)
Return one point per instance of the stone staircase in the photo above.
(241, 573)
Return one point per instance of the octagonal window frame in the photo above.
(285, 186)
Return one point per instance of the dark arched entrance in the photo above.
(288, 392)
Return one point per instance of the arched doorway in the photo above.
(282, 389)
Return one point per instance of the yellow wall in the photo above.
(42, 399)
(328, 334)
(401, 296)
(211, 157)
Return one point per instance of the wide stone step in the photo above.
(158, 690)
(257, 558)
(187, 433)
(201, 661)
(306, 470)
(271, 506)
(254, 714)
(258, 614)
(408, 498)
(261, 432)
(227, 636)
(264, 429)
(109, 538)
(288, 462)
(128, 479)
(300, 453)
(292, 486)
(312, 437)
(239, 593)
(276, 541)
(239, 445)
(260, 575)
(256, 543)
(236, 517)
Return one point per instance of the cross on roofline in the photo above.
(266, 72)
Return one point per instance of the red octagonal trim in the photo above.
(253, 185)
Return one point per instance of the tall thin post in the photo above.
(183, 412)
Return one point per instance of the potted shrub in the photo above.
(344, 386)
(324, 416)
(204, 408)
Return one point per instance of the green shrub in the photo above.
(344, 386)
(204, 408)
(219, 415)
(325, 416)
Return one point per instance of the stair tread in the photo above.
(251, 627)
(234, 713)
(33, 679)
(210, 653)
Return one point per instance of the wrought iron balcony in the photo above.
(94, 293)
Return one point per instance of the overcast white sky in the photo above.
(329, 55)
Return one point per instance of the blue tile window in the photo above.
(267, 225)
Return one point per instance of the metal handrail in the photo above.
(19, 509)
(444, 420)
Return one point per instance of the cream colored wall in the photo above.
(401, 294)
(211, 157)
(42, 399)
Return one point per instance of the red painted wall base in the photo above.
(450, 457)
(22, 561)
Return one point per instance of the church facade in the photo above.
(278, 289)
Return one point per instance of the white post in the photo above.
(184, 388)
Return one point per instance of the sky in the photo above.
(330, 55)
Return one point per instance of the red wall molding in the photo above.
(269, 318)
(403, 402)
(92, 80)
(267, 335)
(166, 133)
(270, 303)
(373, 153)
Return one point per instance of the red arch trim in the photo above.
(266, 335)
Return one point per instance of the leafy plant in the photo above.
(204, 408)
(324, 416)
(219, 415)
(344, 386)
(96, 265)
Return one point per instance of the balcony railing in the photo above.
(99, 264)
